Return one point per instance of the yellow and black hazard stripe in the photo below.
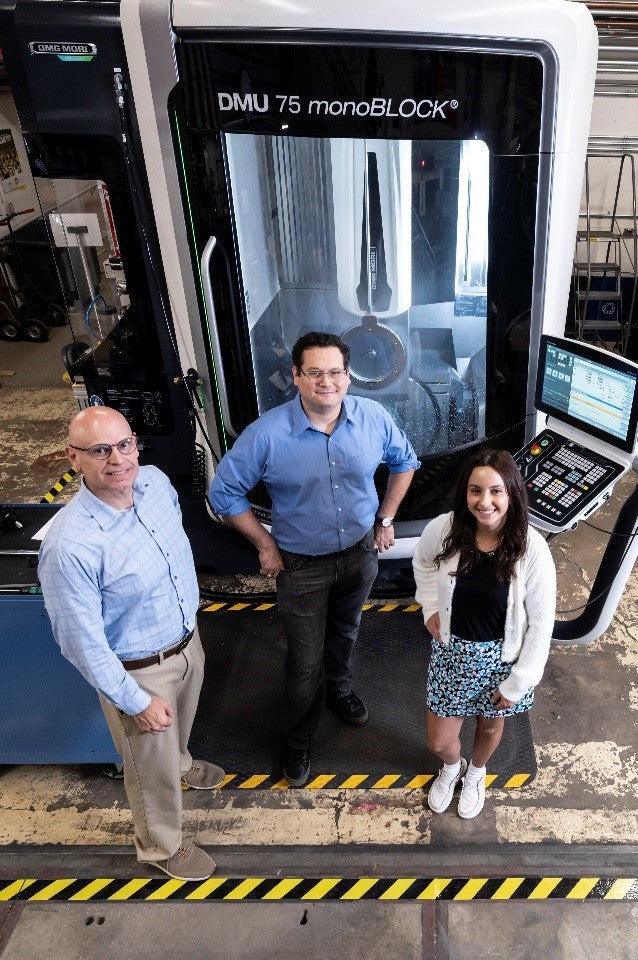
(59, 486)
(261, 606)
(363, 781)
(322, 888)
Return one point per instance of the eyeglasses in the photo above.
(102, 451)
(335, 375)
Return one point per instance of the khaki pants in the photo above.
(154, 762)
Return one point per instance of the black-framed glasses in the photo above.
(316, 375)
(102, 451)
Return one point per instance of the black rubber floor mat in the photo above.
(241, 715)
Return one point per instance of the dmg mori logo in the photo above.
(65, 51)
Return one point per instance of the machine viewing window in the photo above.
(113, 350)
(383, 242)
(589, 389)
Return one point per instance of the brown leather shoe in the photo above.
(203, 776)
(190, 862)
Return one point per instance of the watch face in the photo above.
(386, 521)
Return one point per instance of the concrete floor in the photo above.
(35, 408)
(577, 819)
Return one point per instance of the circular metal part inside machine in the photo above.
(377, 356)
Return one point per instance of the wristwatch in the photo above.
(384, 521)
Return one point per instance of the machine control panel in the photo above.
(146, 410)
(565, 481)
(590, 397)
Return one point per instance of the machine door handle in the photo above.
(214, 335)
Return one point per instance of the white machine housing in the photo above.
(565, 28)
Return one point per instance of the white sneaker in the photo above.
(472, 797)
(442, 790)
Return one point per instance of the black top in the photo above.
(479, 603)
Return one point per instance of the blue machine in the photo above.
(49, 712)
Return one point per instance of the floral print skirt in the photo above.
(462, 677)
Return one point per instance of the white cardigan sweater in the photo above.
(531, 602)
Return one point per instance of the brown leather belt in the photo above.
(157, 657)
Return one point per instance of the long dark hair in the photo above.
(461, 538)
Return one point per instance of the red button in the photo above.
(535, 450)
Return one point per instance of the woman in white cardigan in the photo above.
(487, 584)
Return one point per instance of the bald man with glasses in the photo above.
(317, 456)
(120, 588)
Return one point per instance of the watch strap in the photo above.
(384, 521)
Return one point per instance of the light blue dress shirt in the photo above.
(321, 486)
(119, 584)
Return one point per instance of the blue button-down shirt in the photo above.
(119, 584)
(321, 486)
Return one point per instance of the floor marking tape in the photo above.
(30, 890)
(59, 486)
(360, 781)
(261, 606)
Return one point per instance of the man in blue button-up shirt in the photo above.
(120, 588)
(317, 456)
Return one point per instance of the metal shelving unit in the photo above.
(606, 261)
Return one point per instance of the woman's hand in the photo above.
(433, 624)
(501, 702)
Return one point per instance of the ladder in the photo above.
(605, 271)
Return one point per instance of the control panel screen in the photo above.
(593, 390)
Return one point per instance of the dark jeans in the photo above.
(320, 600)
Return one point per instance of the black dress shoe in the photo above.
(349, 708)
(297, 766)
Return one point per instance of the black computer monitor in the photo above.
(594, 391)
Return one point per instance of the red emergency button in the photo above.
(535, 450)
